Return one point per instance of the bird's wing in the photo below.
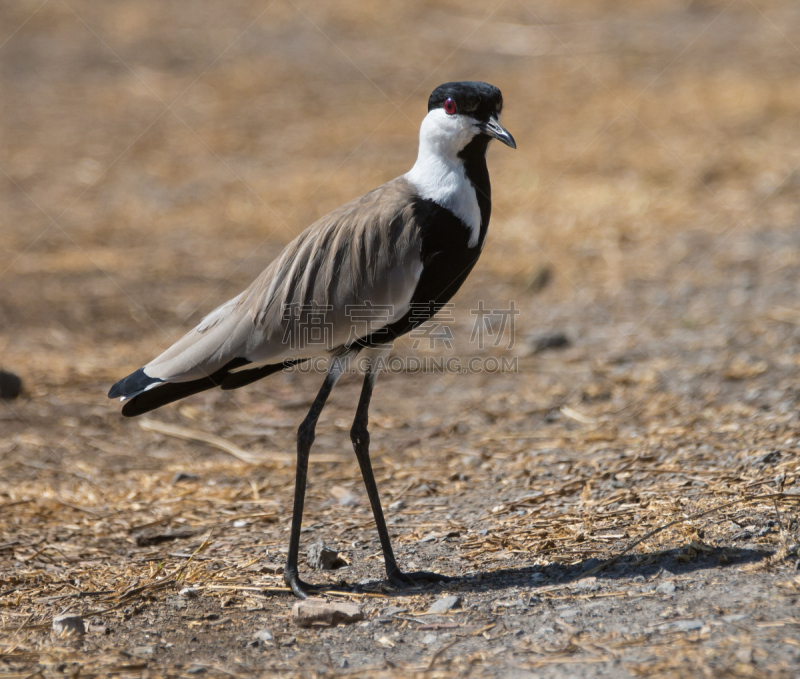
(351, 272)
(447, 259)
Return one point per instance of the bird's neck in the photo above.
(473, 156)
(458, 182)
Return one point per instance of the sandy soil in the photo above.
(155, 156)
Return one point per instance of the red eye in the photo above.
(449, 106)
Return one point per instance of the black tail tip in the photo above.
(133, 384)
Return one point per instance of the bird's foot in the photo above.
(301, 589)
(402, 580)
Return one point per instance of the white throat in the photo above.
(439, 173)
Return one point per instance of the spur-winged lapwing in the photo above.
(392, 257)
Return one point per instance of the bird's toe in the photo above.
(402, 580)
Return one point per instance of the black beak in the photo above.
(495, 130)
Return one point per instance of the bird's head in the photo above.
(459, 112)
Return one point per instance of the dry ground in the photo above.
(156, 155)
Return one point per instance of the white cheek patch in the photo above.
(439, 174)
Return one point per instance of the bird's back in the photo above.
(361, 259)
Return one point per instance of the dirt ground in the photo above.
(156, 155)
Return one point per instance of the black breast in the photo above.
(474, 157)
(447, 258)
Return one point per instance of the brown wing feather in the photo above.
(366, 250)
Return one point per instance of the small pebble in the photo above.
(445, 604)
(321, 557)
(68, 624)
(144, 651)
(392, 610)
(429, 638)
(183, 476)
(263, 635)
(553, 340)
(666, 587)
(190, 592)
(312, 612)
(10, 385)
(686, 625)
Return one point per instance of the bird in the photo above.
(367, 273)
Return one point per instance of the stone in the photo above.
(734, 617)
(156, 538)
(10, 385)
(263, 635)
(589, 564)
(144, 651)
(190, 592)
(667, 587)
(445, 604)
(68, 625)
(183, 476)
(429, 639)
(310, 612)
(98, 629)
(265, 567)
(686, 625)
(586, 584)
(553, 340)
(323, 558)
(344, 496)
(392, 610)
(540, 279)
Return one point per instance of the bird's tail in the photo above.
(143, 393)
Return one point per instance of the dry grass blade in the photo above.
(439, 652)
(231, 448)
(212, 440)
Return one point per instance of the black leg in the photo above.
(359, 434)
(305, 438)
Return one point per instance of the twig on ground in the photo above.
(436, 655)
